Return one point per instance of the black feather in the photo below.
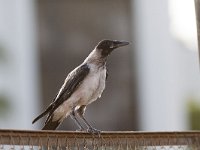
(70, 85)
(51, 125)
(42, 114)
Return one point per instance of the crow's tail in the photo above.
(43, 114)
(51, 125)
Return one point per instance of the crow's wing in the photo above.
(73, 80)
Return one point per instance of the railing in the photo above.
(18, 139)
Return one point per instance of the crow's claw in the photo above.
(94, 131)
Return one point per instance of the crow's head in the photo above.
(107, 46)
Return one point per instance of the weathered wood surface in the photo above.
(81, 139)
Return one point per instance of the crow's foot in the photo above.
(94, 131)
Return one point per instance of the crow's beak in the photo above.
(120, 43)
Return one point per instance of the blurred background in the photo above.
(153, 83)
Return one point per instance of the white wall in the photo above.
(168, 72)
(19, 75)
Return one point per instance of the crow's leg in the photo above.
(73, 116)
(81, 112)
